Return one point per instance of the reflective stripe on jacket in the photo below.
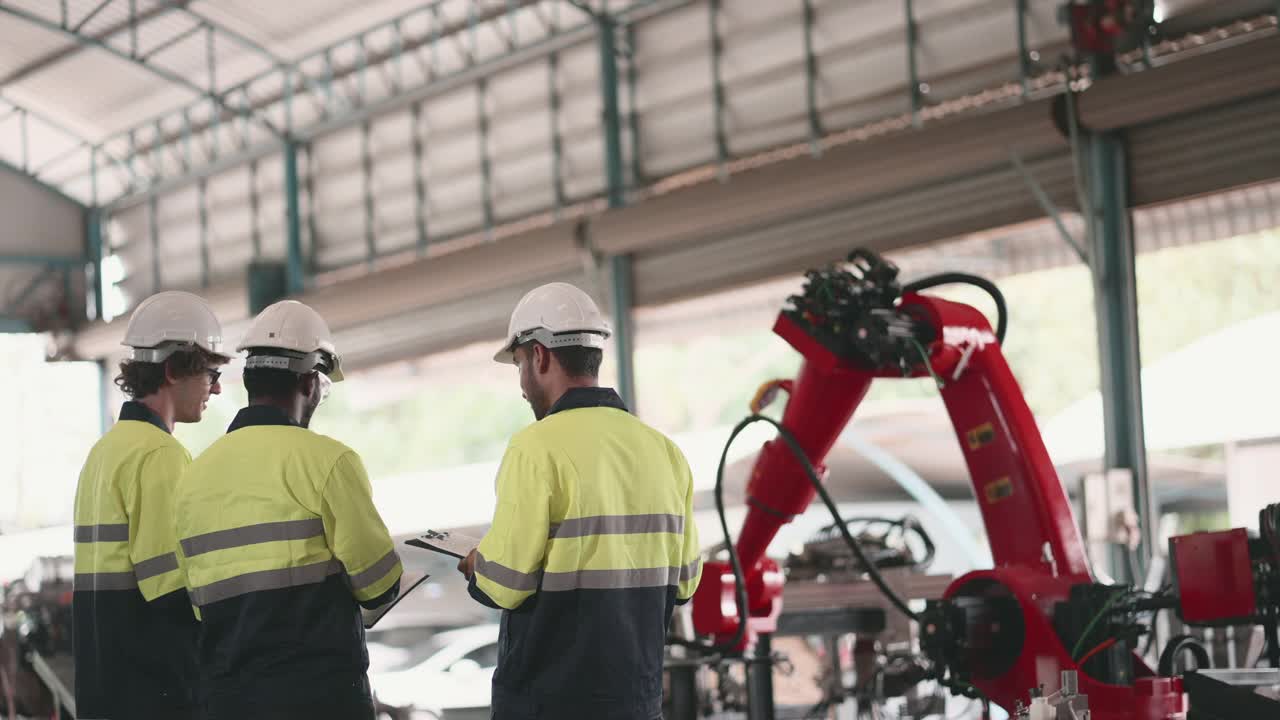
(133, 634)
(280, 542)
(592, 544)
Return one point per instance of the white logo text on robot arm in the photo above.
(958, 336)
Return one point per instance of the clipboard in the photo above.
(371, 617)
(445, 542)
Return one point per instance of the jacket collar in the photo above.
(134, 410)
(588, 397)
(255, 415)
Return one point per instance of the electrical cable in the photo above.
(950, 278)
(1178, 644)
(739, 578)
(1102, 646)
(1075, 652)
(924, 357)
(906, 525)
(740, 591)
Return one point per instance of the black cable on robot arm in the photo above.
(739, 579)
(930, 551)
(812, 474)
(952, 278)
(904, 524)
(1176, 646)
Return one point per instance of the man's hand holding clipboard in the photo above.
(450, 543)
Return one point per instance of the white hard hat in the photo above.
(298, 335)
(555, 315)
(171, 321)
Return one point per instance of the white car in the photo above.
(451, 670)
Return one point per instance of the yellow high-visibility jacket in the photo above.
(280, 544)
(132, 630)
(592, 545)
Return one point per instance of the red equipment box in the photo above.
(1214, 576)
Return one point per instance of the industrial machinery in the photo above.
(1103, 27)
(1036, 634)
(35, 640)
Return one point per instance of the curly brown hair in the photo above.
(140, 379)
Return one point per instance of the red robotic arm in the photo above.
(852, 328)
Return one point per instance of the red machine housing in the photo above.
(1223, 591)
(1035, 543)
(1096, 25)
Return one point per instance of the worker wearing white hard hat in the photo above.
(594, 518)
(555, 315)
(129, 598)
(281, 544)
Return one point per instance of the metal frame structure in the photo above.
(261, 112)
(269, 99)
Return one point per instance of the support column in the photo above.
(623, 302)
(760, 680)
(104, 395)
(684, 690)
(612, 121)
(1112, 255)
(153, 222)
(93, 242)
(295, 276)
(620, 273)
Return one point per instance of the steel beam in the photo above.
(486, 164)
(621, 275)
(66, 288)
(811, 79)
(1116, 306)
(282, 75)
(133, 28)
(313, 226)
(245, 42)
(91, 15)
(717, 87)
(1048, 206)
(54, 190)
(419, 180)
(633, 108)
(153, 221)
(527, 51)
(93, 248)
(171, 41)
(366, 177)
(93, 175)
(255, 211)
(202, 199)
(57, 56)
(557, 139)
(22, 259)
(397, 49)
(913, 65)
(58, 159)
(14, 325)
(612, 130)
(18, 300)
(104, 394)
(1024, 53)
(169, 76)
(58, 127)
(23, 119)
(295, 279)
